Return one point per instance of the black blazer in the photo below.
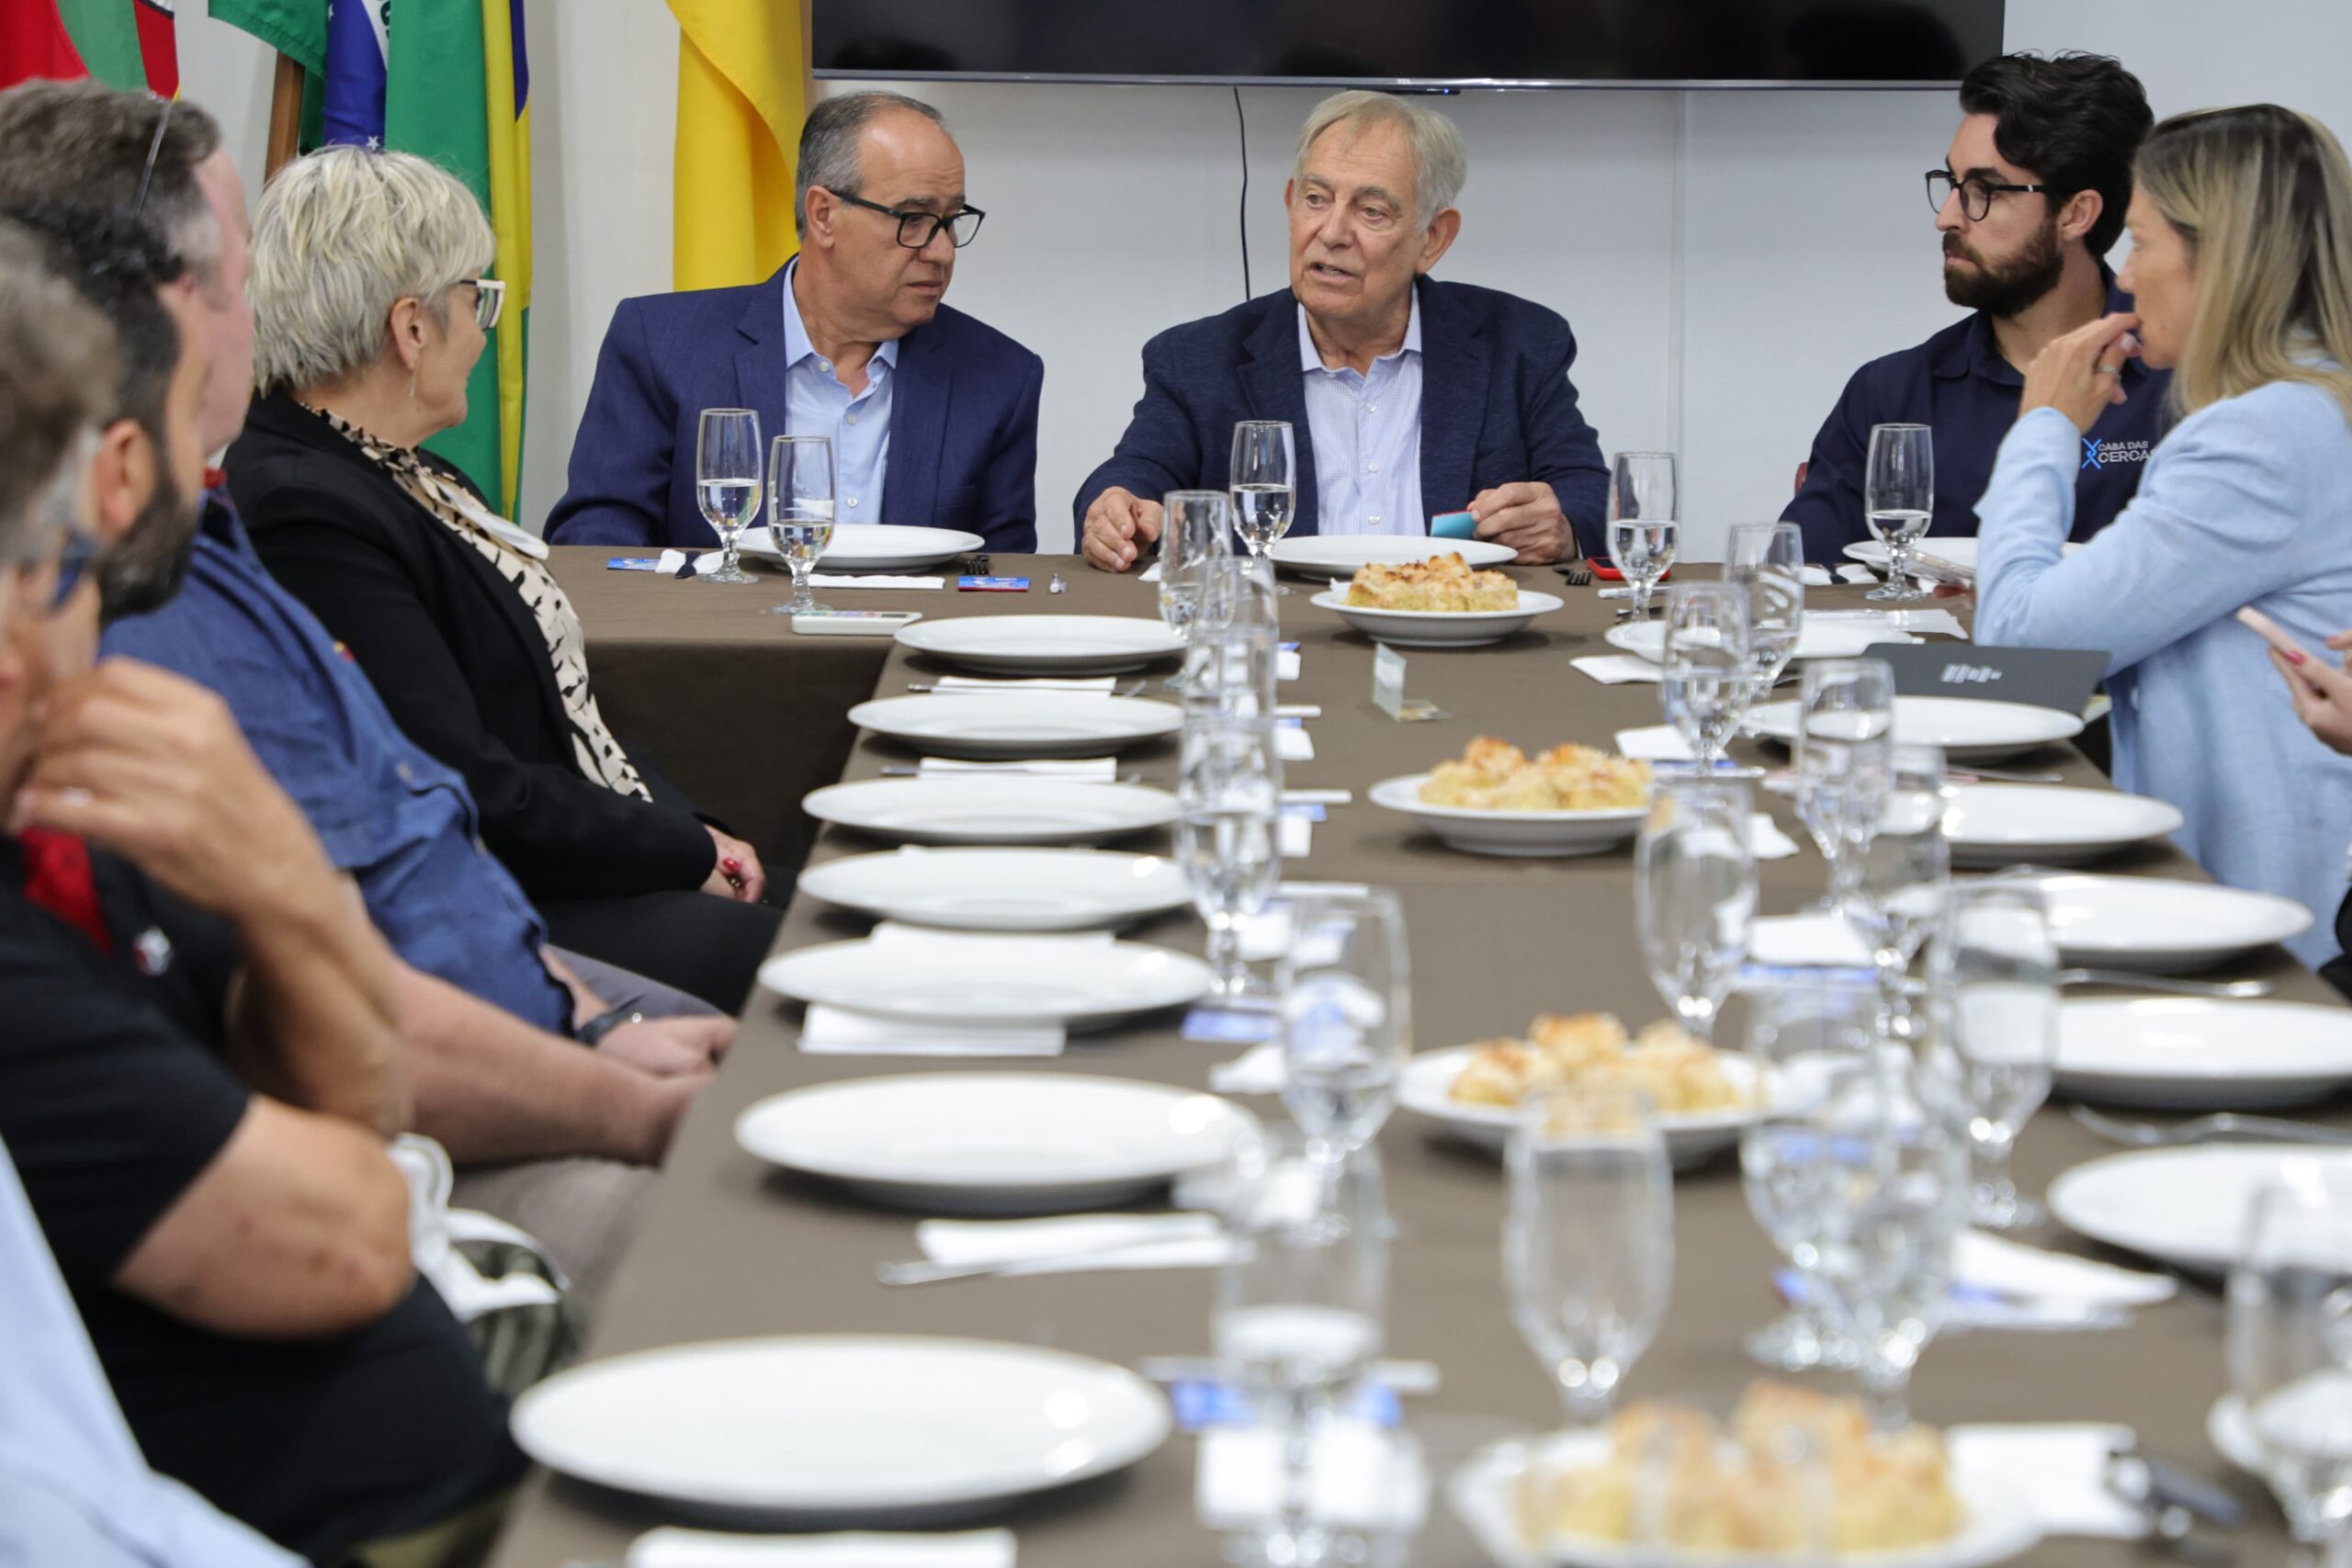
(457, 657)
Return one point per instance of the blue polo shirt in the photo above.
(1958, 383)
(401, 823)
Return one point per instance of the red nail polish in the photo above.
(730, 864)
(2296, 656)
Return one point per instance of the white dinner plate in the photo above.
(1970, 730)
(1343, 555)
(994, 1143)
(874, 547)
(1816, 639)
(2184, 1053)
(1043, 645)
(1017, 724)
(2161, 927)
(2185, 1207)
(1996, 825)
(1007, 980)
(1001, 889)
(1487, 1494)
(841, 1429)
(1946, 560)
(1511, 832)
(975, 809)
(1438, 629)
(1427, 1089)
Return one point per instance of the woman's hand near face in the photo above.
(2080, 374)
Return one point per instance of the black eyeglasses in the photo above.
(1975, 195)
(918, 228)
(154, 150)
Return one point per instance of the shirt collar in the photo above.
(797, 347)
(1310, 359)
(1974, 353)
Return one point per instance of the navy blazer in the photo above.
(962, 420)
(1496, 406)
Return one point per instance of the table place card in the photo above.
(1292, 743)
(1297, 837)
(1286, 662)
(1092, 770)
(860, 580)
(634, 563)
(837, 1032)
(671, 1546)
(1388, 689)
(1617, 669)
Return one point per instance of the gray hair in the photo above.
(828, 155)
(85, 142)
(1440, 161)
(342, 235)
(57, 374)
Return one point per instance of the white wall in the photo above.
(1726, 258)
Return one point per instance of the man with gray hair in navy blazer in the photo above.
(933, 416)
(1412, 397)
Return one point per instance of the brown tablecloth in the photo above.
(730, 1247)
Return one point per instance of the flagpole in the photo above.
(285, 118)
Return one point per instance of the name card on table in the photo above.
(1388, 689)
(2061, 678)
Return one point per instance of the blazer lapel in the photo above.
(1273, 387)
(1454, 362)
(919, 394)
(758, 361)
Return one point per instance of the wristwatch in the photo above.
(592, 1032)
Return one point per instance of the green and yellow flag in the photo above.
(742, 90)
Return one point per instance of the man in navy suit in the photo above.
(933, 416)
(1410, 398)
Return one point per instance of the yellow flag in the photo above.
(742, 88)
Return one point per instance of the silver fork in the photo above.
(1966, 773)
(2215, 990)
(1577, 576)
(2226, 1125)
(1133, 688)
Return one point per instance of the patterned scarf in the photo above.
(597, 754)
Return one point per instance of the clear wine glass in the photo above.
(1193, 529)
(1900, 895)
(1232, 647)
(1227, 835)
(1766, 560)
(1994, 980)
(1643, 530)
(1346, 1000)
(2289, 1336)
(1704, 683)
(1899, 501)
(726, 482)
(1588, 1237)
(800, 510)
(1264, 480)
(1694, 893)
(1845, 744)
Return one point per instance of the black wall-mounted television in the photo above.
(1431, 43)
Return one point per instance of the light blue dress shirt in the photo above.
(1367, 435)
(2245, 503)
(817, 404)
(74, 1488)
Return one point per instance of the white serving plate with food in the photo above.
(874, 547)
(1018, 724)
(989, 889)
(2187, 1054)
(943, 978)
(1970, 730)
(1438, 629)
(2185, 1207)
(2159, 926)
(994, 1143)
(1816, 639)
(976, 809)
(1944, 558)
(1487, 832)
(1692, 1138)
(833, 1430)
(1319, 555)
(1997, 825)
(1043, 645)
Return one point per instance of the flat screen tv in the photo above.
(1428, 43)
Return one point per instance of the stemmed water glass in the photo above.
(1192, 529)
(1899, 501)
(1264, 481)
(2291, 1349)
(800, 510)
(1704, 685)
(1228, 797)
(1346, 1001)
(1900, 895)
(1844, 743)
(1766, 561)
(1643, 530)
(1231, 647)
(1994, 981)
(1588, 1237)
(726, 482)
(1694, 893)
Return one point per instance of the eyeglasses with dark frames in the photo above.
(918, 227)
(1975, 195)
(154, 150)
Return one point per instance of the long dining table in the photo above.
(730, 1248)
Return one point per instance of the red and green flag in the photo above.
(124, 43)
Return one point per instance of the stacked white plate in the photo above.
(975, 809)
(1001, 889)
(1043, 645)
(2186, 1207)
(1945, 560)
(874, 547)
(994, 1143)
(811, 1431)
(1343, 555)
(1692, 1138)
(1438, 629)
(1816, 639)
(1018, 724)
(1970, 730)
(1510, 832)
(2160, 927)
(990, 980)
(1996, 825)
(2185, 1054)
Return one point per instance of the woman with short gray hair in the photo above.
(372, 303)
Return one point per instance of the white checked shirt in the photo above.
(1367, 435)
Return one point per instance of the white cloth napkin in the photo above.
(1996, 1263)
(1360, 1477)
(1261, 1069)
(1151, 572)
(1285, 664)
(1856, 572)
(1292, 744)
(1616, 669)
(1800, 942)
(1094, 770)
(1070, 1243)
(1104, 684)
(898, 933)
(1818, 577)
(838, 1032)
(1654, 743)
(1765, 838)
(2054, 1471)
(705, 564)
(673, 1548)
(1929, 623)
(862, 579)
(1294, 837)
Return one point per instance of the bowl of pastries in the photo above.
(1496, 800)
(1793, 1476)
(1439, 602)
(1701, 1097)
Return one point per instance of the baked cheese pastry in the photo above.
(1494, 775)
(1679, 1074)
(1441, 582)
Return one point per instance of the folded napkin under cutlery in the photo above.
(1616, 669)
(1070, 1244)
(1091, 770)
(1104, 684)
(2054, 1471)
(837, 1032)
(864, 579)
(673, 1548)
(1987, 1265)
